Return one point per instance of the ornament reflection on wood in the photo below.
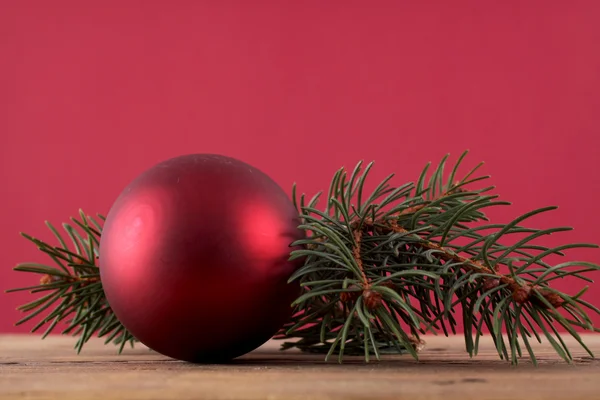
(194, 257)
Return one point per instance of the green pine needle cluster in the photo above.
(383, 268)
(380, 269)
(72, 288)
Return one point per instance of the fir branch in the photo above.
(379, 273)
(74, 286)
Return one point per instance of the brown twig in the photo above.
(522, 292)
(358, 258)
(48, 279)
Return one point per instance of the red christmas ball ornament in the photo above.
(194, 257)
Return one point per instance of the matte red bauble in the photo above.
(194, 257)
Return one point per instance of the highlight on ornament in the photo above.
(203, 258)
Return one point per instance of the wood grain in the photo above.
(34, 369)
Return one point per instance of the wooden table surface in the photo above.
(34, 369)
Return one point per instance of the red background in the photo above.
(93, 94)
